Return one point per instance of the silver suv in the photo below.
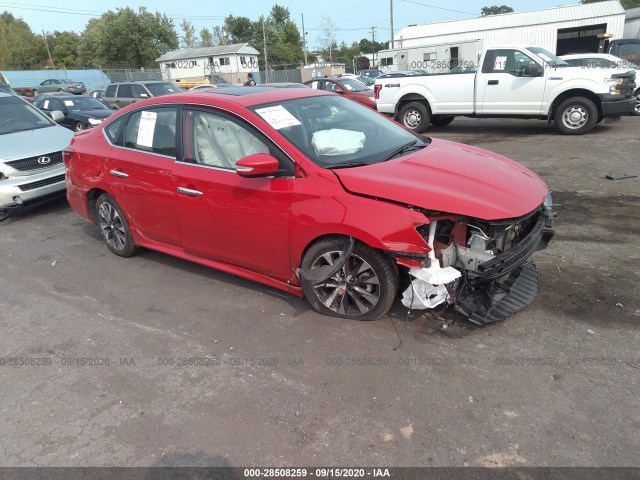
(31, 143)
(119, 95)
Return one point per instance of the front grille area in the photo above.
(32, 163)
(42, 183)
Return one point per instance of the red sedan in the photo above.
(348, 87)
(316, 195)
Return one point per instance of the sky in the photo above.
(352, 19)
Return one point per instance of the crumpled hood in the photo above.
(31, 143)
(454, 178)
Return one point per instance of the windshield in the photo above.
(16, 116)
(335, 132)
(158, 89)
(353, 85)
(548, 57)
(84, 103)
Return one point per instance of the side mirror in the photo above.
(257, 165)
(339, 91)
(57, 116)
(533, 70)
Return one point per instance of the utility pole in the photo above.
(266, 62)
(373, 39)
(391, 14)
(46, 42)
(304, 40)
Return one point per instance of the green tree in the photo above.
(126, 38)
(219, 36)
(495, 10)
(206, 39)
(20, 48)
(65, 49)
(188, 37)
(626, 4)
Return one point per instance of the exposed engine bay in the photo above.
(481, 268)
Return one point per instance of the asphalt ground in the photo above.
(154, 361)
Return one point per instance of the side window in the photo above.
(56, 104)
(125, 90)
(219, 141)
(138, 91)
(152, 130)
(506, 61)
(112, 131)
(111, 90)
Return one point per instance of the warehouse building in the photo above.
(573, 28)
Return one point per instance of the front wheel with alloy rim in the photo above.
(114, 226)
(576, 116)
(364, 288)
(415, 116)
(636, 110)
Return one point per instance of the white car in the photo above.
(606, 60)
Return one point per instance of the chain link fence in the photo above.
(132, 74)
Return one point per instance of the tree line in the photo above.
(126, 38)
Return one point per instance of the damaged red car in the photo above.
(313, 194)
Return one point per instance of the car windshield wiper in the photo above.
(407, 147)
(347, 165)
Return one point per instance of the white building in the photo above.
(561, 30)
(632, 23)
(228, 62)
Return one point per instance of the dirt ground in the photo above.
(153, 361)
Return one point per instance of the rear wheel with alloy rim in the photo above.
(364, 288)
(114, 226)
(78, 127)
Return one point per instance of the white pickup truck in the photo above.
(517, 82)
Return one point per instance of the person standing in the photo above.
(250, 81)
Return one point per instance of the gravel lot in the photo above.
(555, 385)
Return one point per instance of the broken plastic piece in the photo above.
(421, 295)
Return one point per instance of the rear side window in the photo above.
(112, 131)
(152, 130)
(125, 91)
(138, 91)
(110, 91)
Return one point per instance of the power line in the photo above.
(439, 8)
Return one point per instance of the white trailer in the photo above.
(437, 58)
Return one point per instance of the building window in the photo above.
(224, 61)
(243, 61)
(427, 57)
(386, 61)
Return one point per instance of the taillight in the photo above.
(376, 90)
(67, 153)
(70, 85)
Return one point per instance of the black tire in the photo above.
(415, 116)
(114, 226)
(345, 295)
(441, 120)
(576, 116)
(60, 90)
(636, 110)
(78, 127)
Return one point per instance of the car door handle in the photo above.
(189, 191)
(116, 173)
(493, 82)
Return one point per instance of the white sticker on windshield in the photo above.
(278, 117)
(501, 63)
(68, 103)
(146, 128)
(46, 104)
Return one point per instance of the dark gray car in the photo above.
(118, 95)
